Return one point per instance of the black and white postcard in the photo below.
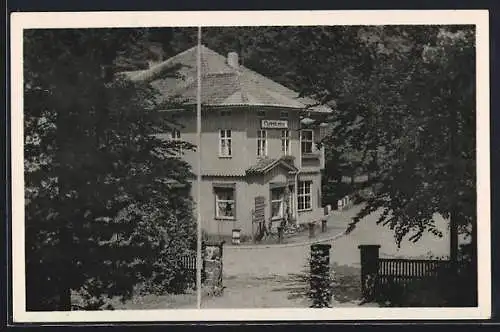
(226, 166)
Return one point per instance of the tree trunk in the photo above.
(63, 297)
(453, 236)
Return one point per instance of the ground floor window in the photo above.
(304, 196)
(225, 204)
(277, 203)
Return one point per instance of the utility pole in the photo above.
(199, 257)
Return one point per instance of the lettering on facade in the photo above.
(260, 205)
(274, 124)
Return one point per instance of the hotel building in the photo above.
(259, 159)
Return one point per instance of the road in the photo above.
(255, 276)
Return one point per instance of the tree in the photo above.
(107, 201)
(405, 101)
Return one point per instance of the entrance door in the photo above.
(277, 203)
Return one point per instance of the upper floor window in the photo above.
(304, 196)
(261, 114)
(285, 141)
(175, 135)
(225, 143)
(284, 114)
(306, 141)
(261, 143)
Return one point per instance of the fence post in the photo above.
(369, 270)
(320, 286)
(311, 229)
(323, 225)
(212, 266)
(280, 234)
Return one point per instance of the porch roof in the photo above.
(264, 165)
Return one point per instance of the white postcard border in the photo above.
(20, 21)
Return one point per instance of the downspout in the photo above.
(296, 198)
(299, 164)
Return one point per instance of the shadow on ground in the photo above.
(345, 280)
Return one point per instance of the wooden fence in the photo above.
(189, 262)
(211, 273)
(401, 272)
(387, 277)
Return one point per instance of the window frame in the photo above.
(285, 142)
(302, 193)
(223, 136)
(284, 114)
(217, 201)
(261, 113)
(261, 139)
(310, 141)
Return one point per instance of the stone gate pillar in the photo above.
(311, 227)
(369, 270)
(320, 285)
(212, 267)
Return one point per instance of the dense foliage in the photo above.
(107, 202)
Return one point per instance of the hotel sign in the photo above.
(274, 124)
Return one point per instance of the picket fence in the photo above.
(402, 272)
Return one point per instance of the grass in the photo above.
(347, 283)
(151, 301)
(145, 302)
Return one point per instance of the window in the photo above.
(306, 141)
(261, 143)
(225, 143)
(285, 141)
(277, 203)
(284, 114)
(175, 135)
(225, 207)
(225, 113)
(261, 114)
(304, 196)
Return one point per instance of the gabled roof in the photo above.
(222, 85)
(264, 165)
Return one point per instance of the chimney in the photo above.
(232, 60)
(152, 63)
